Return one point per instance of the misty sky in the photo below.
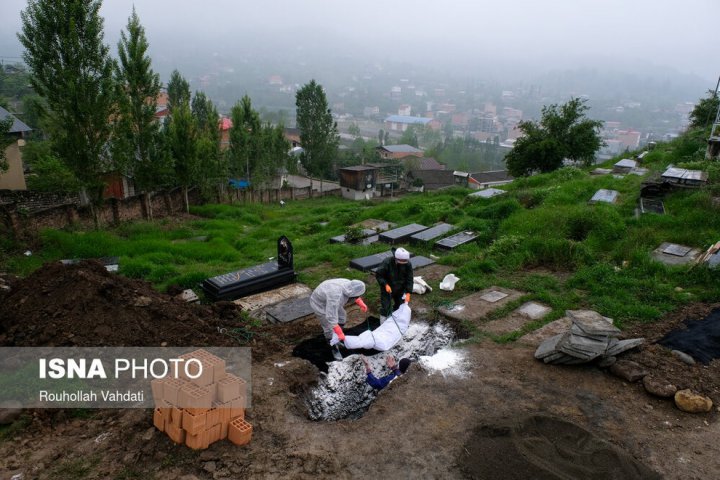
(681, 34)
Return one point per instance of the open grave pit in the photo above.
(342, 391)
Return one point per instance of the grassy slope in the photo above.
(542, 238)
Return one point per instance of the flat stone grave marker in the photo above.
(639, 171)
(674, 258)
(652, 205)
(365, 264)
(677, 250)
(493, 296)
(475, 306)
(454, 241)
(601, 171)
(289, 310)
(256, 304)
(431, 233)
(625, 165)
(605, 196)
(401, 234)
(533, 310)
(366, 233)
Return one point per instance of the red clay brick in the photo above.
(157, 389)
(194, 423)
(176, 415)
(230, 387)
(192, 396)
(213, 417)
(175, 433)
(224, 426)
(237, 408)
(206, 376)
(171, 387)
(240, 432)
(197, 442)
(213, 434)
(159, 419)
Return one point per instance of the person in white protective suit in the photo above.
(328, 302)
(385, 336)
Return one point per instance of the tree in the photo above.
(182, 142)
(178, 90)
(47, 172)
(563, 132)
(354, 130)
(244, 148)
(705, 110)
(136, 140)
(409, 137)
(318, 131)
(71, 69)
(211, 164)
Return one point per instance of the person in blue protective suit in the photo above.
(397, 369)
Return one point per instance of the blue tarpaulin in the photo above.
(239, 183)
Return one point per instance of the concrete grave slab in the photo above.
(366, 264)
(431, 233)
(289, 310)
(624, 165)
(652, 205)
(556, 327)
(677, 250)
(454, 241)
(621, 346)
(533, 310)
(548, 347)
(417, 262)
(494, 296)
(661, 255)
(487, 193)
(402, 234)
(601, 171)
(592, 323)
(256, 304)
(605, 196)
(639, 171)
(474, 307)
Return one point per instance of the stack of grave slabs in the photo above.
(454, 241)
(248, 281)
(401, 234)
(591, 336)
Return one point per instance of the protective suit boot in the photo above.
(336, 353)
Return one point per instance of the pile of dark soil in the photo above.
(84, 305)
(546, 448)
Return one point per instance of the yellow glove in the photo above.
(388, 289)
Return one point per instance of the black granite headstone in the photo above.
(416, 262)
(256, 279)
(366, 233)
(401, 234)
(431, 233)
(365, 264)
(454, 241)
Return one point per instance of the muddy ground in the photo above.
(511, 417)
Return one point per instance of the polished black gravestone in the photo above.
(254, 279)
(365, 264)
(431, 233)
(401, 234)
(289, 310)
(454, 241)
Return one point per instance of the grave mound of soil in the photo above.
(700, 339)
(546, 448)
(85, 305)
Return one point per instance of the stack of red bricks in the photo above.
(203, 410)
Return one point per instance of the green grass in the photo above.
(542, 238)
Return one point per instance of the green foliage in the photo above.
(318, 131)
(72, 71)
(137, 146)
(705, 111)
(178, 90)
(563, 132)
(48, 172)
(5, 141)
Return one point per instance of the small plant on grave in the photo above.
(353, 234)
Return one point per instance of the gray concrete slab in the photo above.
(533, 310)
(289, 310)
(431, 233)
(592, 322)
(487, 193)
(669, 259)
(555, 327)
(548, 347)
(473, 307)
(623, 345)
(605, 196)
(454, 241)
(256, 304)
(402, 234)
